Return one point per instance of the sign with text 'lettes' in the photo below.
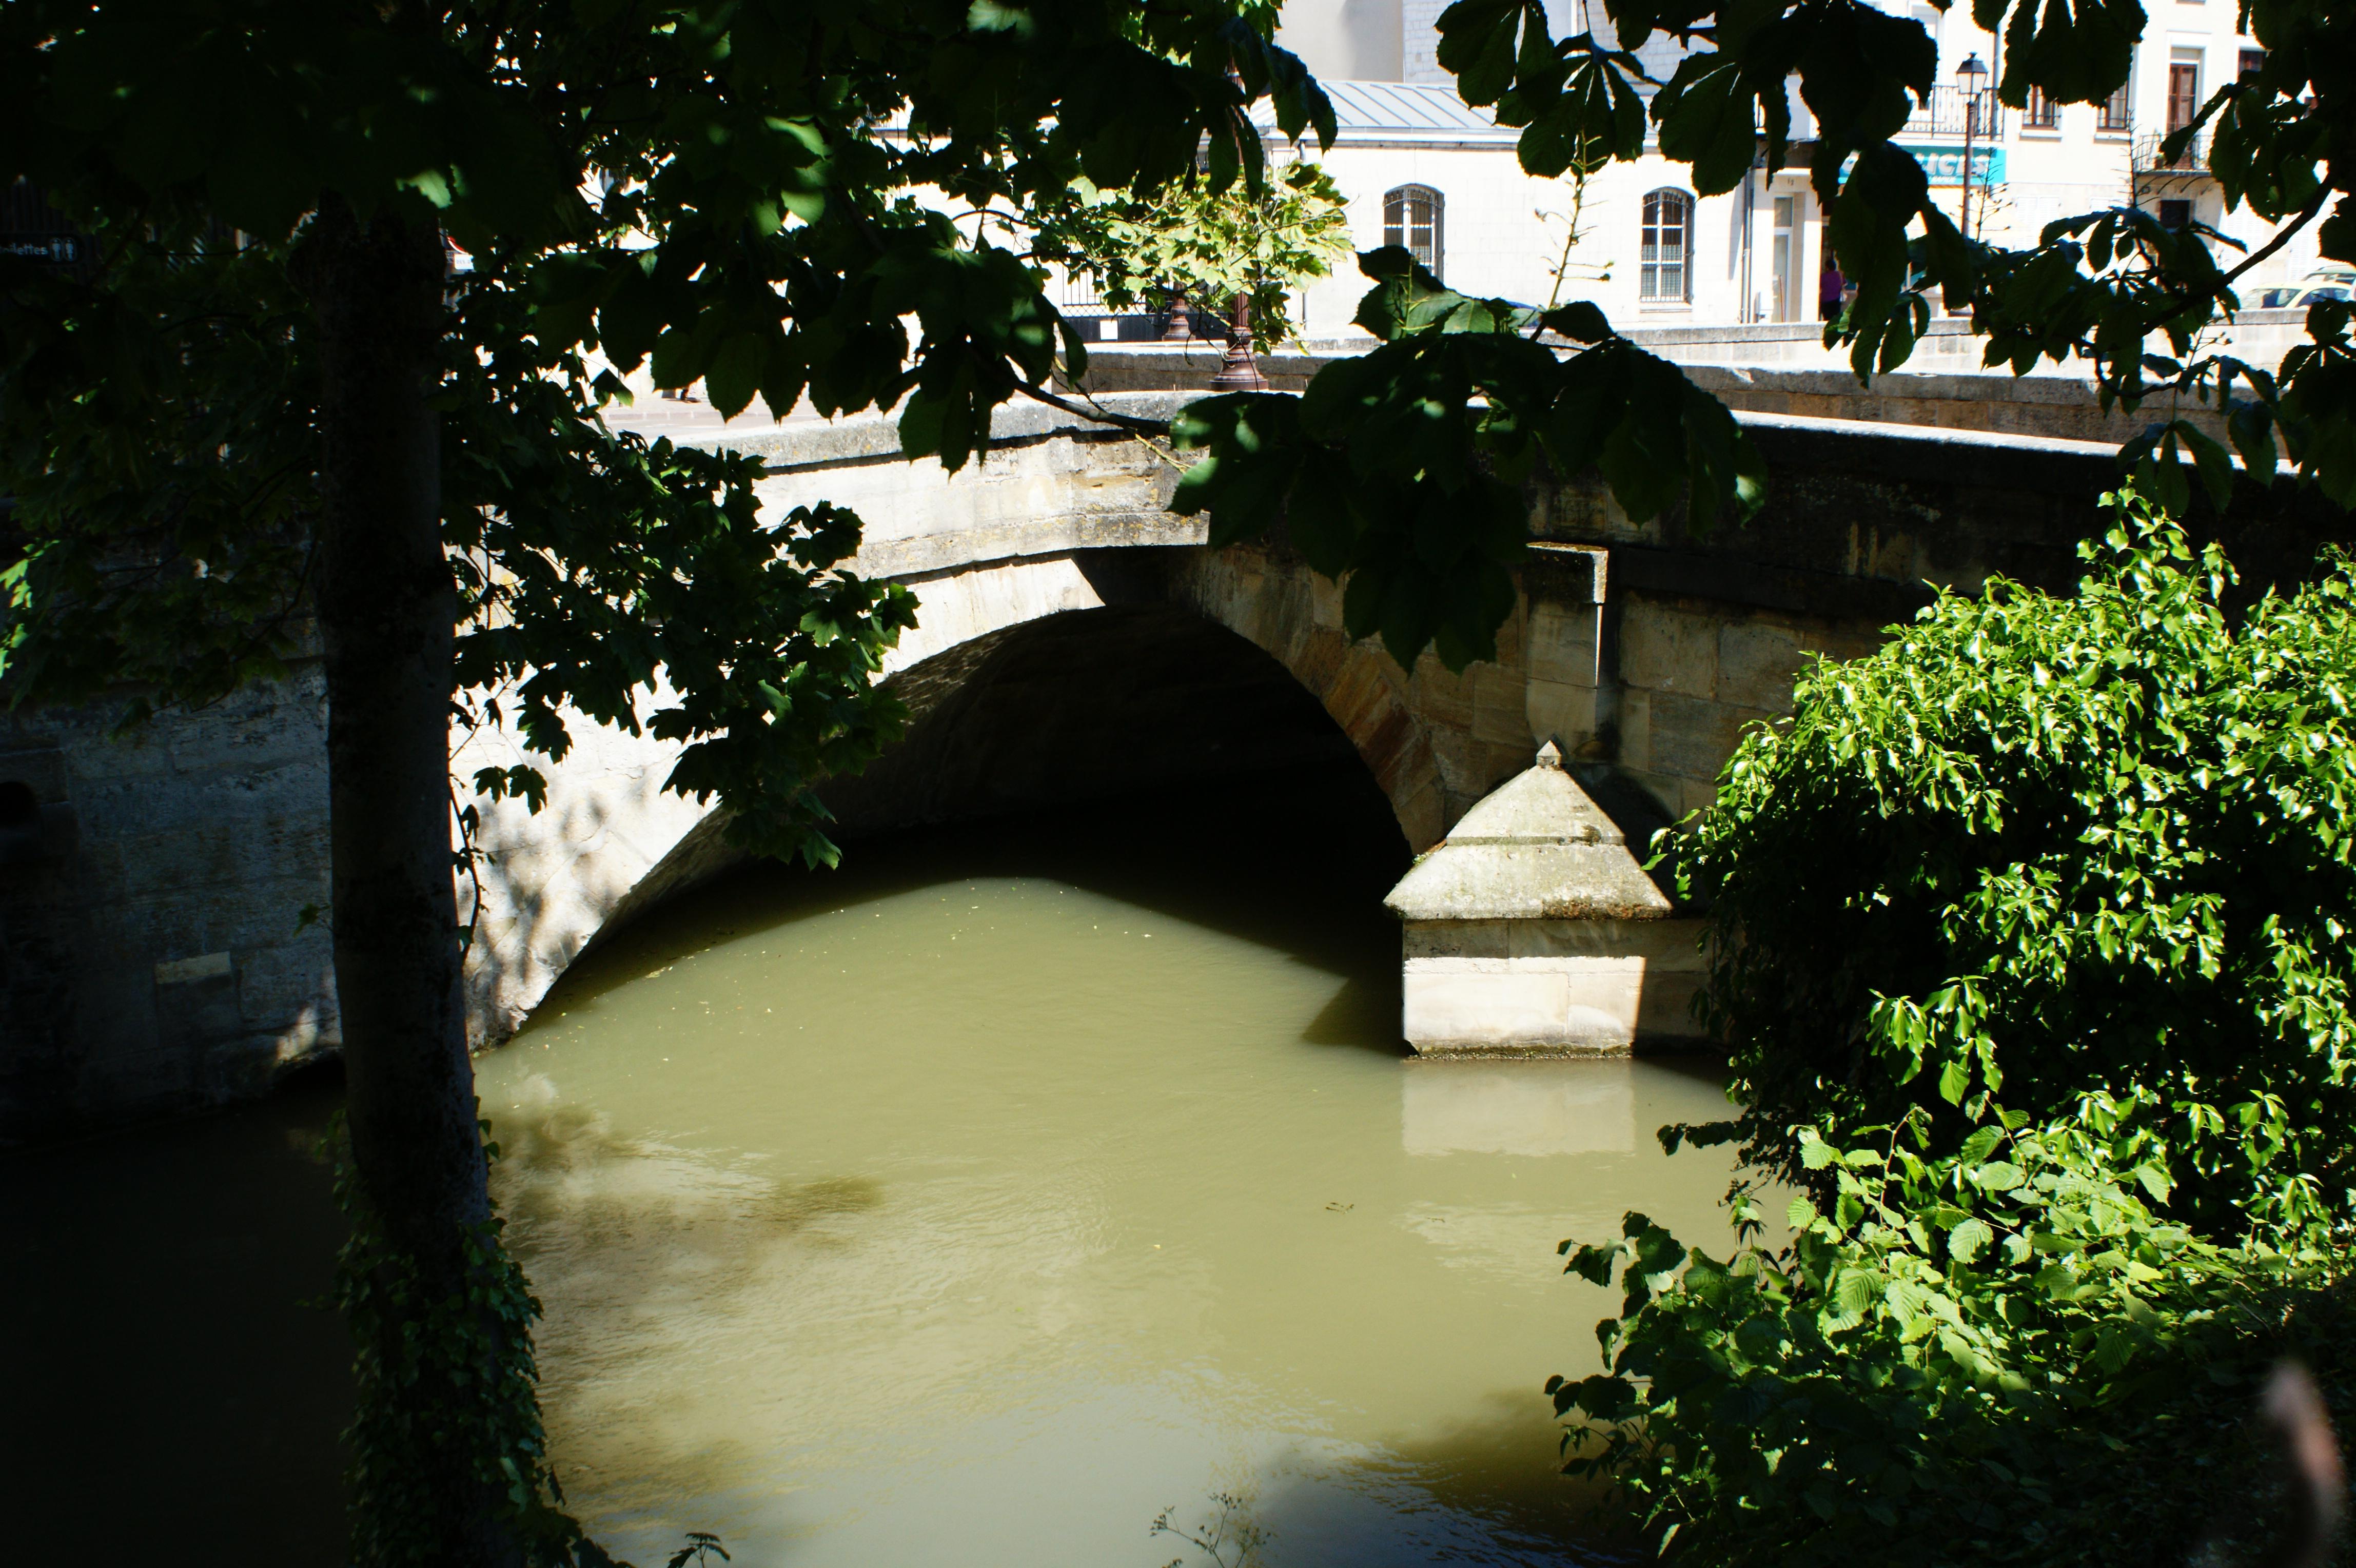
(61, 250)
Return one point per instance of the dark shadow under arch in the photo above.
(1083, 706)
(1138, 701)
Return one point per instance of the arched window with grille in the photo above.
(1667, 251)
(1412, 216)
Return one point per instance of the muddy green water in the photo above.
(969, 1205)
(976, 1203)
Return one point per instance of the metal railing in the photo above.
(1951, 113)
(2149, 155)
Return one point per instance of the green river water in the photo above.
(970, 1205)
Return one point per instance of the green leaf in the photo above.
(1706, 115)
(1997, 1175)
(1969, 1240)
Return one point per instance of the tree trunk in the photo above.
(386, 605)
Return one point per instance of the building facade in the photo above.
(1422, 168)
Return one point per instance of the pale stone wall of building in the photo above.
(1506, 233)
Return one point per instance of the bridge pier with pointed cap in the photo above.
(1532, 931)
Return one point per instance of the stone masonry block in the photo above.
(1635, 728)
(1325, 601)
(1499, 706)
(1839, 642)
(273, 725)
(1509, 637)
(1692, 738)
(1457, 938)
(1463, 761)
(1756, 665)
(1442, 699)
(1362, 702)
(288, 986)
(1504, 761)
(1669, 792)
(39, 767)
(95, 754)
(1666, 649)
(1564, 714)
(1423, 817)
(1563, 644)
(1319, 663)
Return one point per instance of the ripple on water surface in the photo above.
(977, 1202)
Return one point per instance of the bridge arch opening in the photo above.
(1091, 705)
(1034, 684)
(1090, 734)
(1142, 700)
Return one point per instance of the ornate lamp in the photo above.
(1968, 76)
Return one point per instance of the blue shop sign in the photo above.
(60, 250)
(1945, 164)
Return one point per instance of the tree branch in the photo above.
(1128, 422)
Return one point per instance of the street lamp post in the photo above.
(1968, 78)
(1240, 372)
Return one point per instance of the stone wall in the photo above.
(1693, 674)
(1705, 625)
(151, 959)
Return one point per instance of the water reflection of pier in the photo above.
(1518, 1107)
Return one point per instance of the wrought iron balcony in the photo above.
(1952, 113)
(2149, 155)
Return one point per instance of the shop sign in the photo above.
(1944, 165)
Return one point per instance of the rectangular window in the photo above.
(1411, 219)
(2184, 94)
(2116, 112)
(1668, 244)
(2042, 114)
(2176, 213)
(2252, 62)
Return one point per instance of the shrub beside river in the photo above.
(2031, 938)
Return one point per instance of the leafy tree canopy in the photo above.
(1205, 245)
(763, 197)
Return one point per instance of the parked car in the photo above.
(2315, 286)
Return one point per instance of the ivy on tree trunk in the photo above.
(386, 605)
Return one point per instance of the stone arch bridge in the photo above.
(1074, 638)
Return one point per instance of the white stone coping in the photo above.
(876, 437)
